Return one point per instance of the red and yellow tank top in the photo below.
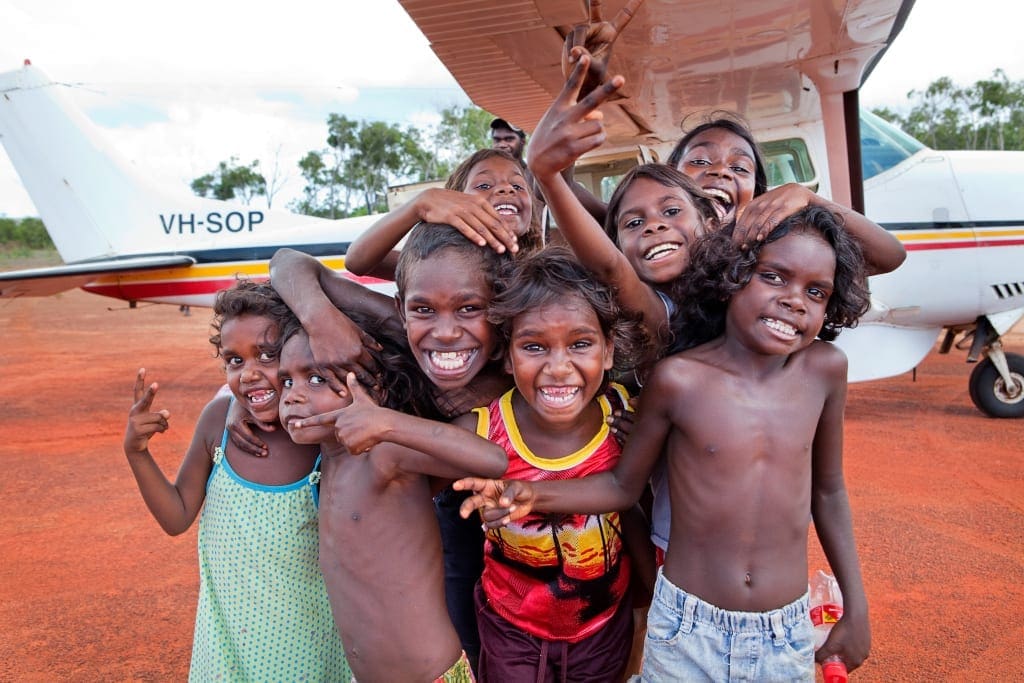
(555, 576)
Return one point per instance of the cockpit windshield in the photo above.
(883, 145)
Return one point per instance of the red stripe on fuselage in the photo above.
(140, 291)
(961, 244)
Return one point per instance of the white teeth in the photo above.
(721, 195)
(780, 326)
(263, 396)
(655, 252)
(451, 360)
(559, 394)
(507, 210)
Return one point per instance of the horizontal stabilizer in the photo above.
(48, 281)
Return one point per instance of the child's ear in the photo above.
(400, 307)
(508, 364)
(609, 355)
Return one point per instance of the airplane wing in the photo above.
(47, 281)
(778, 63)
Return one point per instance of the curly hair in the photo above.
(459, 179)
(552, 275)
(719, 269)
(403, 386)
(247, 297)
(428, 239)
(733, 123)
(662, 174)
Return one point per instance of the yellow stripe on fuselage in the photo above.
(210, 271)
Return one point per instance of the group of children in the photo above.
(502, 365)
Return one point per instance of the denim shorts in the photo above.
(691, 640)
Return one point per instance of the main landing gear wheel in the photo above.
(992, 394)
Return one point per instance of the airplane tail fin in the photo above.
(97, 205)
(74, 183)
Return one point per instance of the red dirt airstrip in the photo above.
(92, 590)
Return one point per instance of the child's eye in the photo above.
(632, 223)
(316, 380)
(470, 309)
(740, 169)
(699, 162)
(816, 293)
(517, 187)
(581, 345)
(286, 382)
(422, 310)
(672, 211)
(267, 357)
(233, 360)
(483, 186)
(771, 277)
(533, 347)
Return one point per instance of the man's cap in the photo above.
(502, 124)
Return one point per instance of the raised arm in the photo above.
(410, 444)
(568, 130)
(471, 215)
(176, 505)
(883, 253)
(830, 508)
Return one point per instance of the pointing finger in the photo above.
(321, 420)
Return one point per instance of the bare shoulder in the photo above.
(825, 358)
(212, 419)
(824, 361)
(680, 372)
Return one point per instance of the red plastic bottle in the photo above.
(826, 609)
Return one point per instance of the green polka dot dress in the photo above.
(263, 613)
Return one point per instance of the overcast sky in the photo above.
(179, 86)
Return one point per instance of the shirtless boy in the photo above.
(380, 550)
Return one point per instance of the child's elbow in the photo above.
(888, 259)
(355, 263)
(497, 464)
(174, 527)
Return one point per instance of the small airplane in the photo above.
(792, 68)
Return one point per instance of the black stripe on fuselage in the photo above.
(953, 225)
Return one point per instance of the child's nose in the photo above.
(793, 301)
(559, 365)
(720, 169)
(656, 225)
(250, 373)
(446, 328)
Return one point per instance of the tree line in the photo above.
(19, 234)
(986, 115)
(351, 174)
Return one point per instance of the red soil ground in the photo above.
(92, 590)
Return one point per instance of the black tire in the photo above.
(988, 391)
